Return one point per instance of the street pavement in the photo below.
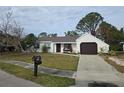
(8, 80)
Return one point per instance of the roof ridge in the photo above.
(60, 39)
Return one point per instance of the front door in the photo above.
(58, 47)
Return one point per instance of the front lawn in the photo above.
(42, 79)
(59, 61)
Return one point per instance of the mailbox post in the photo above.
(35, 69)
(36, 58)
(37, 61)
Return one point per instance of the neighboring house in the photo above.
(85, 44)
(122, 43)
(6, 47)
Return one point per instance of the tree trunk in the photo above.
(20, 46)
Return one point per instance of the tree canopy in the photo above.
(122, 29)
(71, 33)
(93, 23)
(44, 34)
(52, 35)
(29, 40)
(10, 28)
(90, 22)
(110, 34)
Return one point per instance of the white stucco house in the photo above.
(85, 44)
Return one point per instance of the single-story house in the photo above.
(6, 48)
(85, 44)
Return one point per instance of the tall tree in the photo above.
(122, 30)
(6, 21)
(30, 39)
(103, 32)
(45, 34)
(17, 33)
(71, 33)
(110, 34)
(9, 27)
(90, 22)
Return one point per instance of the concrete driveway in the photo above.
(8, 80)
(94, 71)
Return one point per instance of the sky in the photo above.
(60, 19)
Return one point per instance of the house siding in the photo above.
(123, 47)
(74, 48)
(62, 47)
(54, 48)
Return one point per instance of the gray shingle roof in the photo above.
(60, 39)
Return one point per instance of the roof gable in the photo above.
(88, 35)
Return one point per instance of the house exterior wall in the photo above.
(76, 45)
(53, 46)
(62, 47)
(89, 38)
(123, 47)
(74, 48)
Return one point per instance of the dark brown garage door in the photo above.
(88, 48)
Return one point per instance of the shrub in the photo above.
(115, 47)
(112, 53)
(44, 49)
(101, 51)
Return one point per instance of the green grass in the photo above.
(58, 61)
(43, 79)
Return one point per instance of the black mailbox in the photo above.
(37, 60)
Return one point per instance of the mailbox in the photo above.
(37, 59)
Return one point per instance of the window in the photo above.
(67, 47)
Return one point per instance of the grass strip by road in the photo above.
(42, 79)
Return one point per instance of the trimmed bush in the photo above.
(44, 49)
(101, 51)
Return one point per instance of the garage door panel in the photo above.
(88, 48)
